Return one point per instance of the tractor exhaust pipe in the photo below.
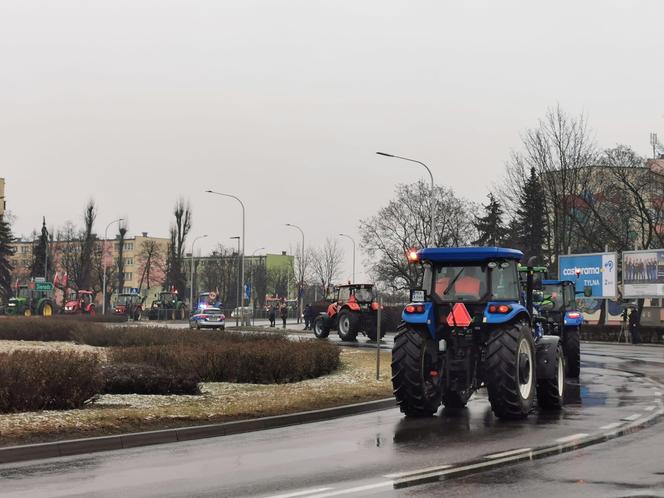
(529, 287)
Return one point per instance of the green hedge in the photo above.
(47, 380)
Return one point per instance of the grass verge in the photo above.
(353, 382)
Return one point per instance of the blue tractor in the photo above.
(467, 328)
(563, 319)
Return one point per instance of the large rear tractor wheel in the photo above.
(550, 392)
(347, 324)
(415, 372)
(320, 328)
(572, 351)
(510, 371)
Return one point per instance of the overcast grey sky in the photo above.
(283, 103)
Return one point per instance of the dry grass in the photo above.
(353, 382)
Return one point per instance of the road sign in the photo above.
(43, 286)
(597, 271)
(643, 273)
(247, 291)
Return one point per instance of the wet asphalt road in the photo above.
(359, 455)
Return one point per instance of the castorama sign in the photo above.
(597, 271)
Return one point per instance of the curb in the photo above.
(70, 447)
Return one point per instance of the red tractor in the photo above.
(80, 302)
(129, 305)
(352, 309)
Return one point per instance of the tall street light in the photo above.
(251, 288)
(353, 241)
(103, 264)
(433, 191)
(243, 241)
(237, 298)
(191, 282)
(301, 286)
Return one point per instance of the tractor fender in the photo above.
(575, 320)
(517, 313)
(351, 306)
(545, 356)
(426, 318)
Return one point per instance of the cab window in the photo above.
(504, 281)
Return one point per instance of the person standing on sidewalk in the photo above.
(272, 316)
(308, 318)
(634, 322)
(284, 313)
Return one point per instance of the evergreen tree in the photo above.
(6, 251)
(529, 224)
(40, 255)
(490, 227)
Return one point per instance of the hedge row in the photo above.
(47, 380)
(98, 334)
(255, 362)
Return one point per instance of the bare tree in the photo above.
(175, 275)
(122, 231)
(560, 151)
(326, 262)
(405, 224)
(150, 264)
(84, 277)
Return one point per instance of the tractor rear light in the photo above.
(502, 309)
(574, 314)
(414, 308)
(412, 256)
(374, 306)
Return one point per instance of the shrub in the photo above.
(128, 378)
(39, 329)
(266, 362)
(47, 380)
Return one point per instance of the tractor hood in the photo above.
(71, 305)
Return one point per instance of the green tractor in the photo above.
(33, 299)
(168, 307)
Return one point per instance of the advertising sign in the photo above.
(597, 271)
(643, 273)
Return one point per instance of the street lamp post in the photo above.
(251, 287)
(301, 286)
(103, 264)
(433, 192)
(353, 241)
(239, 283)
(243, 240)
(191, 281)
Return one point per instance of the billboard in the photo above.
(643, 273)
(597, 271)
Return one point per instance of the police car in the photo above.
(207, 318)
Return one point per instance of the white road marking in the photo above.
(399, 475)
(508, 453)
(301, 493)
(610, 426)
(632, 418)
(567, 439)
(358, 489)
(650, 408)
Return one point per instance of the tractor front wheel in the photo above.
(510, 371)
(572, 351)
(415, 372)
(320, 328)
(372, 328)
(550, 392)
(347, 325)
